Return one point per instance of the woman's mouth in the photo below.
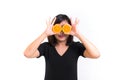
(61, 35)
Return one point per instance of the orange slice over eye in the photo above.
(66, 28)
(56, 28)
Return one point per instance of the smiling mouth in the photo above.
(61, 35)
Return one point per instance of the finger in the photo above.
(49, 21)
(53, 21)
(71, 20)
(76, 21)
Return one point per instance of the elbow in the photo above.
(93, 55)
(97, 55)
(26, 54)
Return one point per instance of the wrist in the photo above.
(77, 34)
(45, 34)
(80, 37)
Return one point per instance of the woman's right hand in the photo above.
(50, 24)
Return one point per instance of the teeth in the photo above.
(61, 35)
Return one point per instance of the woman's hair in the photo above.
(59, 18)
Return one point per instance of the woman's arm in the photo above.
(91, 51)
(32, 50)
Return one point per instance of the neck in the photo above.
(61, 43)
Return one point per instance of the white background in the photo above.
(22, 21)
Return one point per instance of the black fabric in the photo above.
(61, 67)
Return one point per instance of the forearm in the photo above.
(91, 50)
(35, 44)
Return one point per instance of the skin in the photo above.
(61, 40)
(90, 52)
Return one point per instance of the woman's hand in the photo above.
(50, 24)
(74, 30)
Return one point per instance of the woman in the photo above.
(61, 52)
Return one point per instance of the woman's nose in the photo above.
(61, 32)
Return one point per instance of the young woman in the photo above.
(61, 52)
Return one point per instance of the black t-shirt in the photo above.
(61, 67)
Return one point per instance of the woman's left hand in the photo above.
(74, 30)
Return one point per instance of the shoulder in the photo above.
(43, 48)
(76, 43)
(44, 44)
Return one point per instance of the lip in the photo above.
(61, 35)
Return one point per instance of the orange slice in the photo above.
(56, 28)
(66, 28)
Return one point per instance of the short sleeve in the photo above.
(42, 49)
(80, 48)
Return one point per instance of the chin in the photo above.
(61, 40)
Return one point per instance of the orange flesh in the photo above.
(56, 28)
(66, 28)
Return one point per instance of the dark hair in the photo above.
(59, 18)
